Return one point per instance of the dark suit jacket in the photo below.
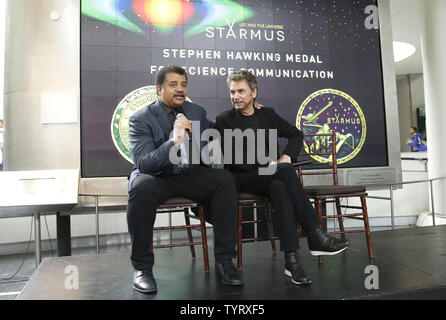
(149, 131)
(268, 119)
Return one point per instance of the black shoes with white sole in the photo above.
(321, 244)
(294, 269)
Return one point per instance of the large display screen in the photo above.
(318, 64)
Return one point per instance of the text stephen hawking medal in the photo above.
(132, 102)
(331, 109)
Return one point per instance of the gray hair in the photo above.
(241, 75)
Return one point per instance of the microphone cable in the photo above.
(10, 279)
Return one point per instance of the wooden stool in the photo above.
(183, 205)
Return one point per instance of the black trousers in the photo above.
(213, 187)
(289, 201)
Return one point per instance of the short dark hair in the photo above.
(241, 75)
(161, 74)
(414, 128)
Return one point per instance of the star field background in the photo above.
(115, 61)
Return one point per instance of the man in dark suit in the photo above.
(281, 185)
(155, 179)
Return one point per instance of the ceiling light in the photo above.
(402, 50)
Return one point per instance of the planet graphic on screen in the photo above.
(329, 109)
(132, 102)
(165, 16)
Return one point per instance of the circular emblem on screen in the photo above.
(132, 102)
(331, 109)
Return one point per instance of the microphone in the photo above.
(179, 116)
(184, 162)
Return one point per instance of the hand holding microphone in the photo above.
(181, 128)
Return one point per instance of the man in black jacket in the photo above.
(276, 180)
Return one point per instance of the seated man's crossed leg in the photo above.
(293, 208)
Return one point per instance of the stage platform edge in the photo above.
(409, 264)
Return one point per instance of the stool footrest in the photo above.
(183, 244)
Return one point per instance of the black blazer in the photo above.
(149, 132)
(268, 119)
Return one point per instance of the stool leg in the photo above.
(367, 227)
(239, 238)
(189, 232)
(319, 213)
(340, 221)
(299, 232)
(204, 240)
(271, 228)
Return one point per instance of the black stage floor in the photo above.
(410, 264)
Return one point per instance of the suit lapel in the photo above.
(161, 117)
(186, 111)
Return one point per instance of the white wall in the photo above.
(2, 52)
(41, 55)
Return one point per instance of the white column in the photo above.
(2, 53)
(434, 68)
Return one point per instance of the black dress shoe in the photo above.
(143, 281)
(321, 244)
(294, 269)
(227, 273)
